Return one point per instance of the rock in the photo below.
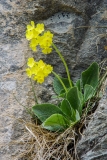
(13, 49)
(93, 144)
(93, 46)
(67, 40)
(61, 17)
(47, 8)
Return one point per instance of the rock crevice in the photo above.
(79, 46)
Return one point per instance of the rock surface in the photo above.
(80, 46)
(93, 144)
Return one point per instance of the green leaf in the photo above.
(58, 86)
(62, 94)
(88, 92)
(73, 116)
(81, 101)
(73, 98)
(77, 116)
(56, 122)
(43, 111)
(66, 108)
(54, 96)
(78, 84)
(91, 75)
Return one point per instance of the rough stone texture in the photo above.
(80, 47)
(13, 50)
(92, 48)
(93, 144)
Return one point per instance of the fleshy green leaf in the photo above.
(56, 122)
(91, 75)
(73, 98)
(88, 92)
(62, 94)
(77, 116)
(54, 96)
(73, 116)
(43, 111)
(81, 101)
(58, 86)
(78, 84)
(66, 108)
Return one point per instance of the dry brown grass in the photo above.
(44, 145)
(47, 145)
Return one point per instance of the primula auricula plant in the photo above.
(73, 96)
(38, 70)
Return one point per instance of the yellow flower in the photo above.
(30, 31)
(40, 80)
(33, 33)
(40, 28)
(31, 62)
(47, 70)
(35, 69)
(38, 71)
(41, 64)
(29, 34)
(31, 26)
(33, 44)
(47, 50)
(48, 34)
(28, 72)
(45, 42)
(39, 77)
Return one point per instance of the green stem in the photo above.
(56, 75)
(63, 60)
(36, 100)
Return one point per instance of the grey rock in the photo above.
(92, 48)
(93, 143)
(67, 40)
(63, 18)
(47, 7)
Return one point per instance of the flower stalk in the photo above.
(56, 75)
(36, 100)
(63, 60)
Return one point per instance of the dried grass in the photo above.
(44, 145)
(49, 145)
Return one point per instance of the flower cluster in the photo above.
(37, 36)
(38, 71)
